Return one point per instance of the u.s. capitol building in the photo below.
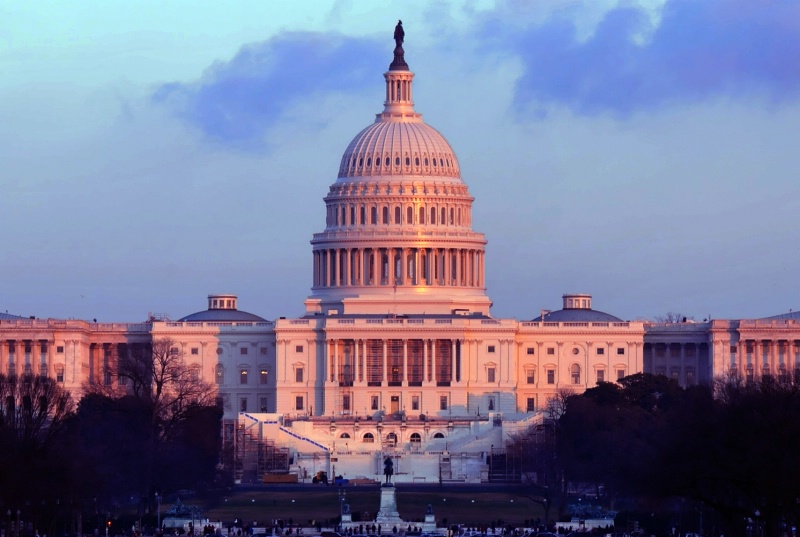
(398, 351)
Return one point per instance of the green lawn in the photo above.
(303, 505)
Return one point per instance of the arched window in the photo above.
(443, 220)
(422, 215)
(575, 372)
(438, 435)
(433, 215)
(243, 374)
(391, 437)
(344, 435)
(410, 215)
(386, 215)
(415, 438)
(219, 373)
(368, 438)
(373, 218)
(397, 215)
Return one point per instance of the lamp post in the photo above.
(342, 497)
(158, 514)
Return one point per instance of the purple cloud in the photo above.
(699, 50)
(235, 102)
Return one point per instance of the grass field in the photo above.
(304, 504)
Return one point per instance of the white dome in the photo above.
(407, 147)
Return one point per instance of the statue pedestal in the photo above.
(430, 523)
(388, 515)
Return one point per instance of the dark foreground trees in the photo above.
(728, 451)
(155, 428)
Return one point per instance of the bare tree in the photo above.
(167, 389)
(159, 375)
(672, 317)
(33, 408)
(557, 405)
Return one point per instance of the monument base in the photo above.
(388, 515)
(430, 523)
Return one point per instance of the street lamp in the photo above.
(342, 498)
(158, 514)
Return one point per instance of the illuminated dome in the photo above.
(403, 146)
(398, 235)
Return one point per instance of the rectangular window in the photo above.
(263, 351)
(195, 374)
(551, 376)
(601, 375)
(530, 351)
(551, 350)
(620, 350)
(734, 350)
(264, 376)
(195, 351)
(415, 402)
(263, 404)
(346, 402)
(491, 348)
(530, 376)
(530, 404)
(490, 374)
(298, 348)
(243, 350)
(600, 351)
(59, 374)
(243, 404)
(60, 349)
(620, 374)
(491, 402)
(298, 402)
(442, 402)
(298, 374)
(243, 376)
(374, 402)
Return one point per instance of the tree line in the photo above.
(67, 467)
(719, 459)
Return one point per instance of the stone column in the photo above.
(452, 361)
(335, 360)
(385, 364)
(433, 362)
(405, 362)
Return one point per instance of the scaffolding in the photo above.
(253, 456)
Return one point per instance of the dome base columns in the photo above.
(429, 304)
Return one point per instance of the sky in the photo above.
(152, 153)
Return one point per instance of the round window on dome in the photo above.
(377, 161)
(441, 163)
(369, 162)
(575, 350)
(426, 162)
(408, 161)
(416, 161)
(388, 161)
(434, 162)
(397, 161)
(360, 162)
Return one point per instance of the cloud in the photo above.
(690, 52)
(237, 101)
